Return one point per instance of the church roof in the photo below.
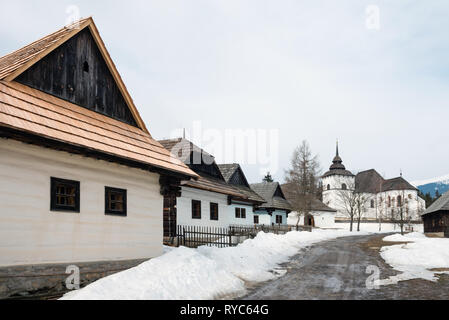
(337, 167)
(369, 181)
(398, 183)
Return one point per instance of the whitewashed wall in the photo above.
(226, 213)
(232, 220)
(323, 219)
(184, 208)
(332, 199)
(31, 234)
(266, 219)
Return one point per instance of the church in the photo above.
(380, 199)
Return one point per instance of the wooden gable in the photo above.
(238, 178)
(278, 192)
(208, 167)
(77, 72)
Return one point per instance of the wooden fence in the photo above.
(221, 237)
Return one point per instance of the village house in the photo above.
(208, 201)
(241, 211)
(276, 208)
(82, 181)
(382, 199)
(436, 217)
(316, 213)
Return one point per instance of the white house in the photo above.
(209, 201)
(80, 175)
(318, 214)
(276, 208)
(383, 199)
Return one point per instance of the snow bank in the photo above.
(374, 227)
(417, 258)
(206, 272)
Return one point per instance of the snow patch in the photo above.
(417, 258)
(206, 272)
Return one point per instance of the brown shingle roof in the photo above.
(14, 64)
(215, 185)
(35, 112)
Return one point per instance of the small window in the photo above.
(196, 209)
(65, 195)
(410, 196)
(372, 203)
(214, 211)
(278, 219)
(115, 201)
(399, 202)
(243, 213)
(256, 219)
(328, 187)
(389, 202)
(344, 186)
(237, 213)
(86, 66)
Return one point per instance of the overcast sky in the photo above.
(311, 69)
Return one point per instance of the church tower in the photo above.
(336, 181)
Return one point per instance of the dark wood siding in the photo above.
(238, 179)
(77, 72)
(436, 222)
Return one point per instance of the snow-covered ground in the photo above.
(417, 258)
(206, 272)
(374, 227)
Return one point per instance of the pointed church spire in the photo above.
(337, 149)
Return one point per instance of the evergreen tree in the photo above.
(268, 178)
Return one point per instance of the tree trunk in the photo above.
(358, 224)
(352, 222)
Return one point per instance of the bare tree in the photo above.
(400, 215)
(361, 200)
(302, 179)
(352, 203)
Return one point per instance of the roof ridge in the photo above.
(45, 37)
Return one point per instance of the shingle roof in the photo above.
(18, 59)
(267, 191)
(212, 184)
(33, 112)
(17, 62)
(182, 148)
(441, 204)
(337, 167)
(313, 203)
(228, 170)
(369, 181)
(398, 183)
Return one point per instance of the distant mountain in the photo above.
(432, 185)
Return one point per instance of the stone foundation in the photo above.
(48, 281)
